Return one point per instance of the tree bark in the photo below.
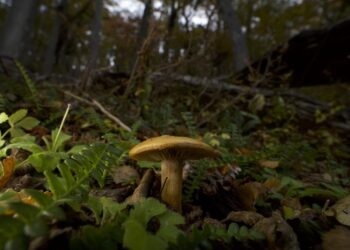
(16, 27)
(143, 31)
(233, 26)
(94, 43)
(51, 52)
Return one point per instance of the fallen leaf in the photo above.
(341, 211)
(269, 164)
(278, 233)
(272, 184)
(337, 238)
(125, 175)
(249, 192)
(8, 166)
(247, 217)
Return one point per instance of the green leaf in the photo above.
(27, 145)
(45, 160)
(42, 199)
(28, 123)
(96, 207)
(55, 184)
(25, 211)
(16, 132)
(110, 209)
(137, 238)
(2, 142)
(3, 117)
(67, 175)
(147, 209)
(10, 227)
(59, 139)
(36, 228)
(168, 229)
(17, 116)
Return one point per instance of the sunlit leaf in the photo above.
(17, 116)
(8, 165)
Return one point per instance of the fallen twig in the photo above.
(98, 105)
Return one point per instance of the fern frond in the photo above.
(190, 123)
(30, 84)
(76, 172)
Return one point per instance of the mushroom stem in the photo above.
(171, 172)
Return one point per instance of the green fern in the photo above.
(190, 123)
(77, 171)
(197, 174)
(30, 84)
(204, 238)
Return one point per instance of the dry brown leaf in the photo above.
(213, 222)
(125, 175)
(249, 192)
(247, 217)
(341, 211)
(272, 183)
(336, 239)
(278, 233)
(8, 165)
(269, 164)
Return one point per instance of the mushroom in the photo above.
(172, 151)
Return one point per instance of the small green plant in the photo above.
(149, 224)
(30, 84)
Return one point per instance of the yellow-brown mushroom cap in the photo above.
(171, 147)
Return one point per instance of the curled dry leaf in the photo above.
(269, 164)
(8, 165)
(247, 217)
(341, 211)
(278, 233)
(337, 238)
(272, 184)
(125, 175)
(249, 192)
(213, 222)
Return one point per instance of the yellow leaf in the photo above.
(269, 164)
(8, 165)
(341, 211)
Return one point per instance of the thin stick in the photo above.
(98, 105)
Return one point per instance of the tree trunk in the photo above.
(233, 26)
(16, 27)
(172, 19)
(143, 31)
(51, 52)
(94, 43)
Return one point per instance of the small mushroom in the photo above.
(172, 151)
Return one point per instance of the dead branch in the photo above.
(98, 105)
(305, 105)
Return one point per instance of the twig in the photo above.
(98, 105)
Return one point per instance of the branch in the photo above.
(96, 104)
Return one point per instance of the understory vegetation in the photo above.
(281, 181)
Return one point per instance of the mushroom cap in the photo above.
(171, 147)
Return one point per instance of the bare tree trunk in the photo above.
(94, 43)
(51, 52)
(16, 27)
(232, 24)
(170, 26)
(143, 31)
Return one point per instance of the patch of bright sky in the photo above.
(135, 8)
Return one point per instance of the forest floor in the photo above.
(281, 180)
